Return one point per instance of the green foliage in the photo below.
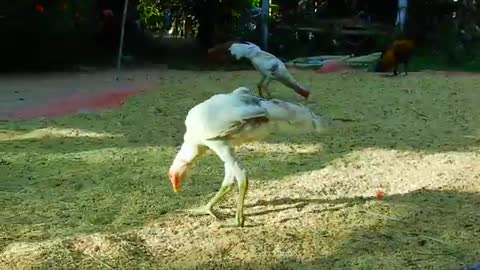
(59, 33)
(68, 27)
(151, 14)
(61, 17)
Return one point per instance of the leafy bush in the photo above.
(44, 33)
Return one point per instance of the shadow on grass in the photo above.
(425, 229)
(87, 184)
(60, 194)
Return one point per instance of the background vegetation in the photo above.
(60, 33)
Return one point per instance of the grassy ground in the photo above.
(90, 191)
(425, 59)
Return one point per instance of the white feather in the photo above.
(239, 117)
(263, 61)
(242, 50)
(266, 63)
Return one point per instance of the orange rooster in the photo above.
(219, 54)
(400, 51)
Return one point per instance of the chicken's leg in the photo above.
(405, 64)
(395, 70)
(263, 85)
(260, 85)
(266, 83)
(242, 181)
(224, 189)
(233, 171)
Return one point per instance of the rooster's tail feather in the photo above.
(290, 82)
(289, 116)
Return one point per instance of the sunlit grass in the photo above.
(95, 184)
(52, 132)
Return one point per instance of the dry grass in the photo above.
(90, 191)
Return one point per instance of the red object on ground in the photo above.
(74, 104)
(379, 194)
(332, 66)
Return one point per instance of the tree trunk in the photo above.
(206, 14)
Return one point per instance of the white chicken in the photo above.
(266, 63)
(226, 120)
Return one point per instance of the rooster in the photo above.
(400, 51)
(267, 64)
(226, 120)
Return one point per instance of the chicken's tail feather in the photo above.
(292, 117)
(290, 82)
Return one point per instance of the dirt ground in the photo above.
(89, 191)
(25, 90)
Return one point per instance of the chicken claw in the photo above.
(201, 211)
(235, 222)
(260, 93)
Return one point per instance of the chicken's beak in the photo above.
(176, 176)
(175, 180)
(176, 186)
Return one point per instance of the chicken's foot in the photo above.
(201, 211)
(259, 87)
(207, 209)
